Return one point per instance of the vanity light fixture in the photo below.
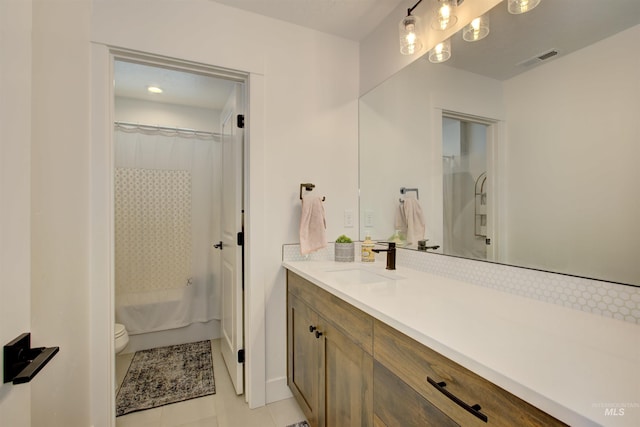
(154, 89)
(444, 15)
(410, 30)
(516, 7)
(441, 52)
(477, 29)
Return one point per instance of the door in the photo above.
(303, 357)
(232, 327)
(346, 385)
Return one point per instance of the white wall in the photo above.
(308, 133)
(15, 203)
(163, 114)
(566, 140)
(60, 220)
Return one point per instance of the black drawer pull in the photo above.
(312, 328)
(475, 409)
(318, 334)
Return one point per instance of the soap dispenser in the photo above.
(367, 250)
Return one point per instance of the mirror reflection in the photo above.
(517, 156)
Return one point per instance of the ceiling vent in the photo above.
(538, 58)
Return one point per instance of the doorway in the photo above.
(178, 175)
(466, 149)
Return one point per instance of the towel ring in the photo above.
(404, 190)
(308, 187)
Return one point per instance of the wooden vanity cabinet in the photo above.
(347, 369)
(329, 363)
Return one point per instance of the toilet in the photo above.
(121, 337)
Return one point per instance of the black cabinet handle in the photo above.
(318, 334)
(218, 245)
(475, 409)
(312, 328)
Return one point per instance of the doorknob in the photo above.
(218, 245)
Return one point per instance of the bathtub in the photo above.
(169, 316)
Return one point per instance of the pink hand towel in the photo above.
(312, 225)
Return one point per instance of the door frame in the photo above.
(101, 274)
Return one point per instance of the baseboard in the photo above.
(277, 389)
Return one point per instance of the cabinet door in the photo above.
(303, 359)
(347, 382)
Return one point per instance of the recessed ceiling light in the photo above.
(154, 89)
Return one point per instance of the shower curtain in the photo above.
(165, 189)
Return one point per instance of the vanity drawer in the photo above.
(351, 321)
(397, 404)
(414, 363)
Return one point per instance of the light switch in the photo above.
(348, 217)
(368, 218)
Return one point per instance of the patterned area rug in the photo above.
(165, 375)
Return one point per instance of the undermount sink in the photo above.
(361, 276)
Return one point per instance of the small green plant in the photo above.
(343, 239)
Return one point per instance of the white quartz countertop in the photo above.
(581, 368)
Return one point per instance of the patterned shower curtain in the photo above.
(153, 228)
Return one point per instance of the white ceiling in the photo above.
(351, 19)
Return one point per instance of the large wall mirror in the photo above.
(522, 149)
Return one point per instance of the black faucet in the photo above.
(391, 255)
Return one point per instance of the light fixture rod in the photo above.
(458, 3)
(414, 6)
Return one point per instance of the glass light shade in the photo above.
(445, 16)
(477, 29)
(521, 6)
(441, 52)
(410, 42)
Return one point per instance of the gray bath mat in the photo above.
(300, 424)
(165, 375)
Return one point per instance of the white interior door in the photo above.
(232, 292)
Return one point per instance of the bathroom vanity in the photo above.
(371, 347)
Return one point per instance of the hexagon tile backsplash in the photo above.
(593, 296)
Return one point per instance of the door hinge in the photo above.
(240, 238)
(240, 121)
(487, 241)
(241, 356)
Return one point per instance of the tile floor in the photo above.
(223, 409)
